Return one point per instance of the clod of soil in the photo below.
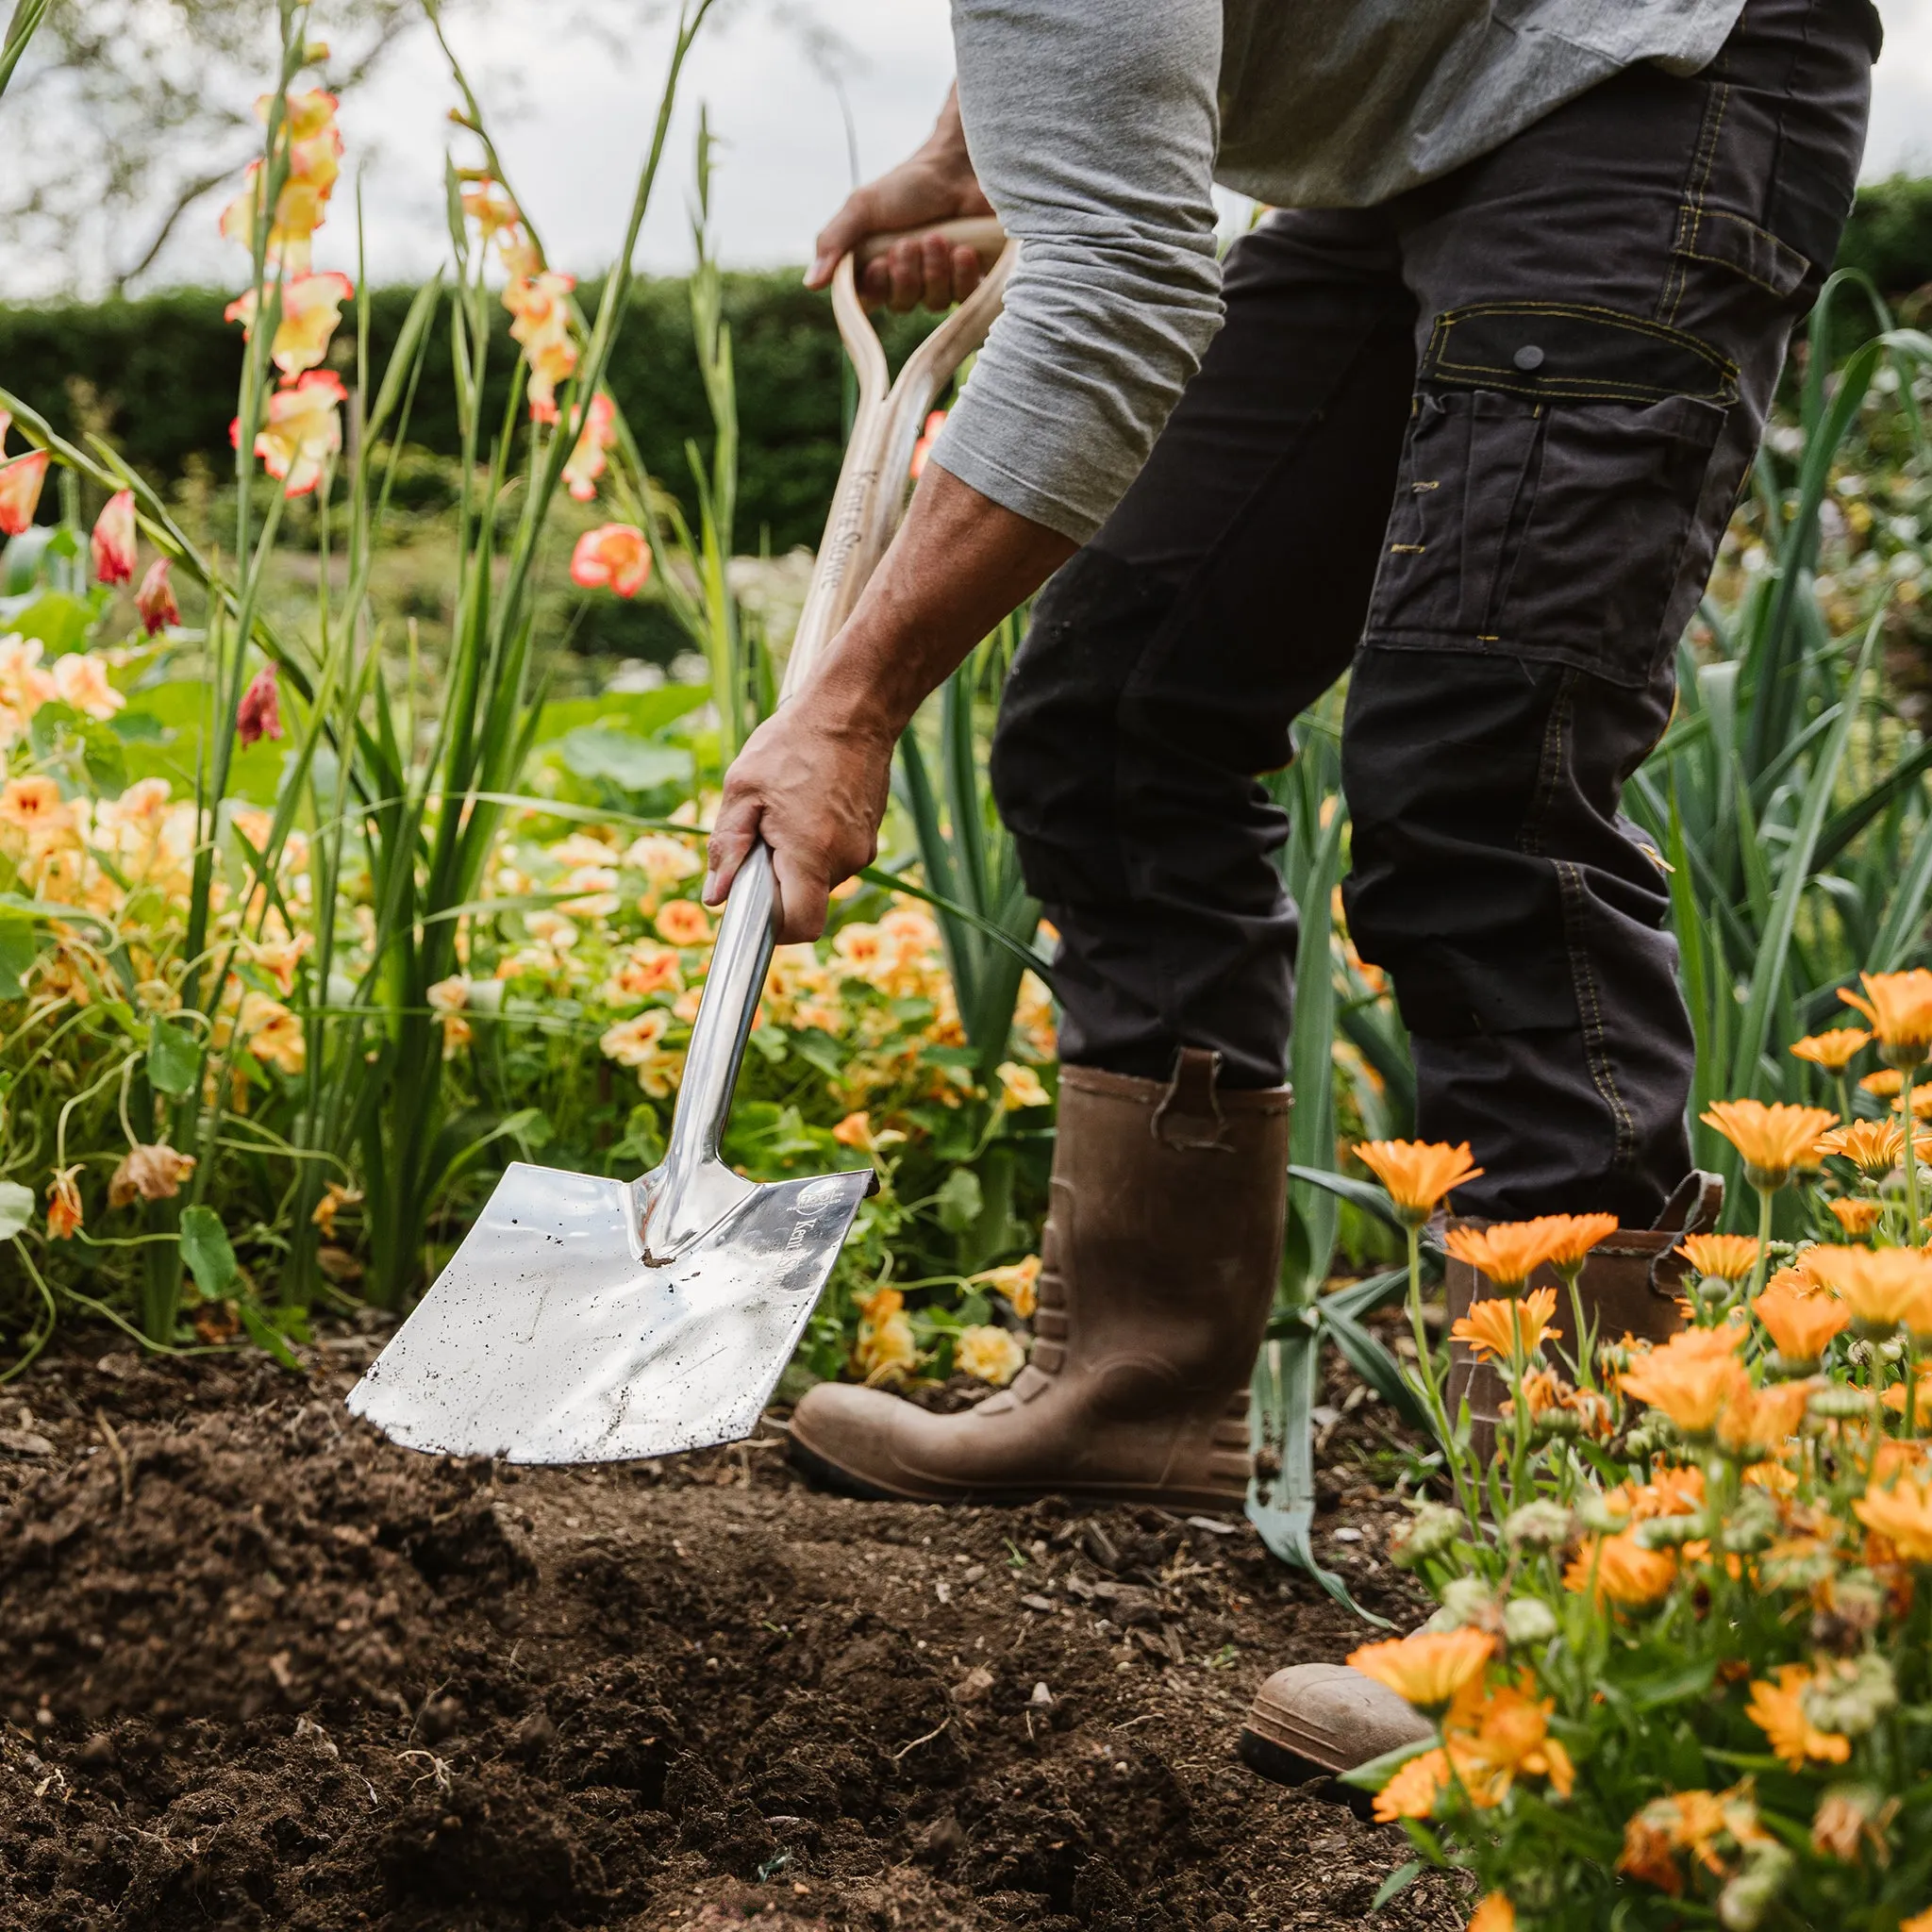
(263, 1668)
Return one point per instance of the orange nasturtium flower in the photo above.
(1799, 1324)
(1772, 1140)
(1882, 1287)
(1690, 1377)
(684, 923)
(1779, 1710)
(1417, 1173)
(1504, 1324)
(64, 1214)
(1508, 1252)
(1019, 1281)
(988, 1353)
(1903, 1515)
(1726, 1257)
(1834, 1050)
(20, 491)
(1899, 1005)
(1856, 1215)
(615, 557)
(1619, 1569)
(1427, 1669)
(112, 542)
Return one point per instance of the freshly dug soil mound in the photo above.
(259, 1668)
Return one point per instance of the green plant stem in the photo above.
(1762, 1267)
(1431, 1389)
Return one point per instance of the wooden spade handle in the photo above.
(981, 233)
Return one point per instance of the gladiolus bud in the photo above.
(20, 491)
(259, 715)
(114, 539)
(155, 600)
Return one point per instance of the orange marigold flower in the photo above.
(1728, 1256)
(1899, 1005)
(20, 491)
(684, 923)
(615, 557)
(1619, 1569)
(1834, 1050)
(1903, 1515)
(1414, 1789)
(1417, 1173)
(1800, 1323)
(1882, 1287)
(1508, 1252)
(1857, 1215)
(1779, 1710)
(112, 542)
(1428, 1668)
(1772, 1140)
(1690, 1378)
(64, 1212)
(1508, 1327)
(1494, 1914)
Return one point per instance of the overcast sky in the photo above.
(572, 111)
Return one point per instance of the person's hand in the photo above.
(936, 185)
(814, 789)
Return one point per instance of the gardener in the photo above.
(1464, 417)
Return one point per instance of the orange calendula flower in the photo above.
(1903, 1515)
(303, 430)
(1757, 1421)
(613, 557)
(1919, 1922)
(1649, 1844)
(112, 542)
(1772, 1140)
(1726, 1257)
(1857, 1217)
(1779, 1710)
(1494, 1914)
(1417, 1173)
(64, 1213)
(1571, 1237)
(1508, 1252)
(1414, 1789)
(1495, 1737)
(155, 600)
(1799, 1324)
(1882, 1287)
(1834, 1050)
(1428, 1668)
(312, 311)
(1874, 1147)
(20, 491)
(1690, 1377)
(597, 435)
(1619, 1569)
(1899, 1006)
(684, 923)
(1508, 1327)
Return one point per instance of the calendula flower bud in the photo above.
(1752, 1525)
(1527, 1619)
(1539, 1525)
(1433, 1529)
(1851, 1696)
(1467, 1603)
(1670, 1532)
(1744, 1903)
(1838, 1405)
(1591, 1513)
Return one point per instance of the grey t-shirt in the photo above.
(1097, 128)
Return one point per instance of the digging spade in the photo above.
(588, 1320)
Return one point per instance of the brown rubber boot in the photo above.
(1629, 1286)
(1312, 1722)
(1163, 1241)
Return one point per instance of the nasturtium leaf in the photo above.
(267, 1337)
(624, 759)
(16, 1208)
(959, 1200)
(58, 619)
(204, 1248)
(17, 950)
(174, 1059)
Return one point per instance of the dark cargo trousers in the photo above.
(1474, 447)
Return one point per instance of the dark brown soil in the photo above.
(261, 1668)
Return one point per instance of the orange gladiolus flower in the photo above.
(1417, 1173)
(586, 462)
(1899, 1005)
(1903, 1515)
(487, 203)
(1619, 1569)
(1834, 1050)
(614, 557)
(922, 448)
(312, 311)
(303, 430)
(1414, 1789)
(1690, 1377)
(1508, 1252)
(1502, 1325)
(1779, 1710)
(1882, 1287)
(114, 539)
(542, 324)
(1494, 1914)
(1728, 1256)
(20, 491)
(1856, 1216)
(1427, 1669)
(1772, 1140)
(64, 1213)
(1800, 1324)
(155, 600)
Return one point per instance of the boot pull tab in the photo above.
(1694, 1207)
(1188, 1115)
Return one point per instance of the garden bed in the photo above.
(263, 1668)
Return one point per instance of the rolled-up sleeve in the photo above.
(1092, 126)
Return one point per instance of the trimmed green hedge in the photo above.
(163, 368)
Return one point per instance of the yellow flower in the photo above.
(990, 1353)
(64, 1212)
(1903, 1515)
(273, 1033)
(149, 1173)
(1504, 1326)
(1494, 1736)
(1899, 1005)
(1779, 1710)
(1020, 1087)
(312, 311)
(1728, 1256)
(487, 203)
(1690, 1377)
(1017, 1281)
(639, 1043)
(1414, 1789)
(684, 923)
(1494, 1914)
(1834, 1050)
(1772, 1140)
(1417, 1173)
(1798, 1322)
(334, 1197)
(1427, 1669)
(1620, 1567)
(1882, 1287)
(885, 1347)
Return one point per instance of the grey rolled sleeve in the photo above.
(1092, 125)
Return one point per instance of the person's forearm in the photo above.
(959, 564)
